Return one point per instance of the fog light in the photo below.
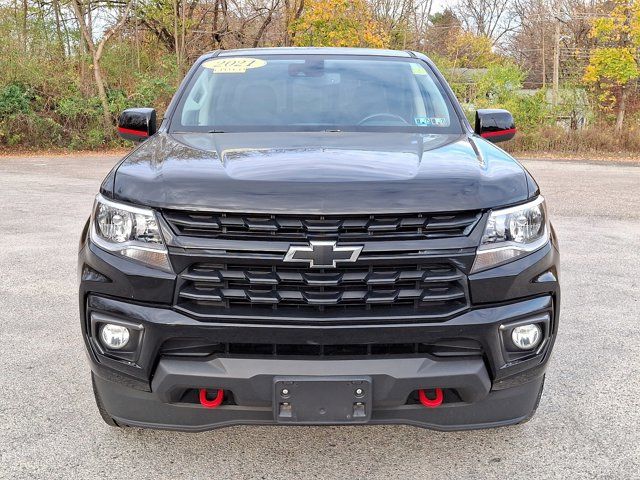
(526, 337)
(113, 336)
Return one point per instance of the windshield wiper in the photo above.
(216, 131)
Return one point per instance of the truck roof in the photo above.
(315, 51)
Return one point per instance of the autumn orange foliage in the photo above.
(338, 23)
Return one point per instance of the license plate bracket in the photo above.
(322, 400)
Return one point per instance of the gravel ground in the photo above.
(586, 426)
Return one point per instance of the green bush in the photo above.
(152, 91)
(499, 84)
(118, 101)
(14, 100)
(530, 112)
(76, 108)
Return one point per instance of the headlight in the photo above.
(129, 231)
(511, 233)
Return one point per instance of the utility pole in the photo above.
(556, 62)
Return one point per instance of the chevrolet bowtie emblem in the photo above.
(322, 254)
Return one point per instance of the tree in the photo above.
(292, 12)
(488, 18)
(405, 21)
(190, 27)
(96, 50)
(471, 51)
(338, 23)
(444, 27)
(445, 39)
(615, 62)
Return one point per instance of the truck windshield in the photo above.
(314, 93)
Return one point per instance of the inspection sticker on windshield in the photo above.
(418, 69)
(431, 121)
(233, 65)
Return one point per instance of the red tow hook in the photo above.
(216, 402)
(429, 403)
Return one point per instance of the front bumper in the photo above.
(151, 410)
(149, 387)
(491, 389)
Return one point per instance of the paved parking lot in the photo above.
(587, 425)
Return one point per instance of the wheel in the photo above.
(535, 407)
(101, 408)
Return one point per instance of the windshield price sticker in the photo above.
(233, 65)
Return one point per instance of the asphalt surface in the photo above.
(587, 425)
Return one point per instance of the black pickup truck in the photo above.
(317, 236)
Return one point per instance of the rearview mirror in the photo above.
(495, 125)
(137, 124)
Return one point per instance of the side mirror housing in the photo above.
(495, 125)
(137, 124)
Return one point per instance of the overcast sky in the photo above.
(438, 5)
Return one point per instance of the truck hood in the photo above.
(322, 173)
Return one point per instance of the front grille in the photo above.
(189, 347)
(232, 267)
(430, 290)
(352, 228)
